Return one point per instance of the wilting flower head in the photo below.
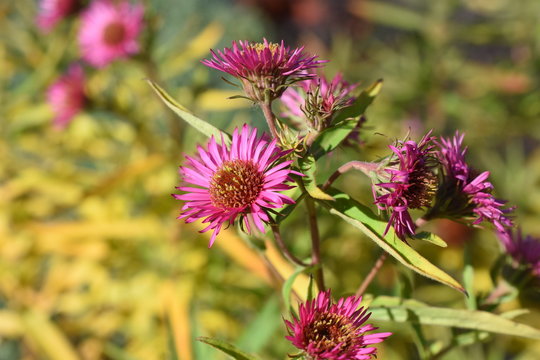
(463, 194)
(411, 183)
(317, 100)
(243, 180)
(334, 331)
(263, 67)
(524, 250)
(52, 11)
(66, 95)
(109, 31)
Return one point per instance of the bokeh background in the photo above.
(94, 264)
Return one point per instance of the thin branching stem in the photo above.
(374, 270)
(315, 243)
(283, 248)
(365, 167)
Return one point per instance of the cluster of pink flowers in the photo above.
(108, 31)
(433, 175)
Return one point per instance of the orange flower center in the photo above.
(236, 184)
(328, 330)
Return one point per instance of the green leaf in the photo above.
(309, 168)
(363, 218)
(361, 103)
(388, 14)
(405, 311)
(468, 277)
(227, 348)
(330, 138)
(288, 208)
(430, 238)
(287, 285)
(188, 117)
(261, 330)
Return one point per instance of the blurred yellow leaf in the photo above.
(198, 47)
(216, 100)
(10, 324)
(47, 336)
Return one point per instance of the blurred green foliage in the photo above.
(93, 263)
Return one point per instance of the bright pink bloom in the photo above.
(52, 11)
(243, 180)
(524, 250)
(263, 67)
(66, 96)
(109, 31)
(411, 184)
(462, 194)
(334, 331)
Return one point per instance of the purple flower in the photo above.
(334, 331)
(52, 11)
(109, 31)
(317, 100)
(66, 96)
(265, 69)
(411, 183)
(524, 250)
(243, 180)
(463, 195)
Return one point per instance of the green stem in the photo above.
(315, 243)
(266, 107)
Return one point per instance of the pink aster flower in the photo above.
(242, 181)
(334, 331)
(66, 96)
(109, 31)
(264, 68)
(411, 183)
(317, 100)
(463, 194)
(524, 250)
(52, 11)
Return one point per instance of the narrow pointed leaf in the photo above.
(364, 219)
(227, 348)
(398, 310)
(262, 329)
(330, 138)
(361, 103)
(430, 238)
(288, 284)
(188, 117)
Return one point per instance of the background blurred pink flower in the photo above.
(66, 96)
(52, 11)
(109, 31)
